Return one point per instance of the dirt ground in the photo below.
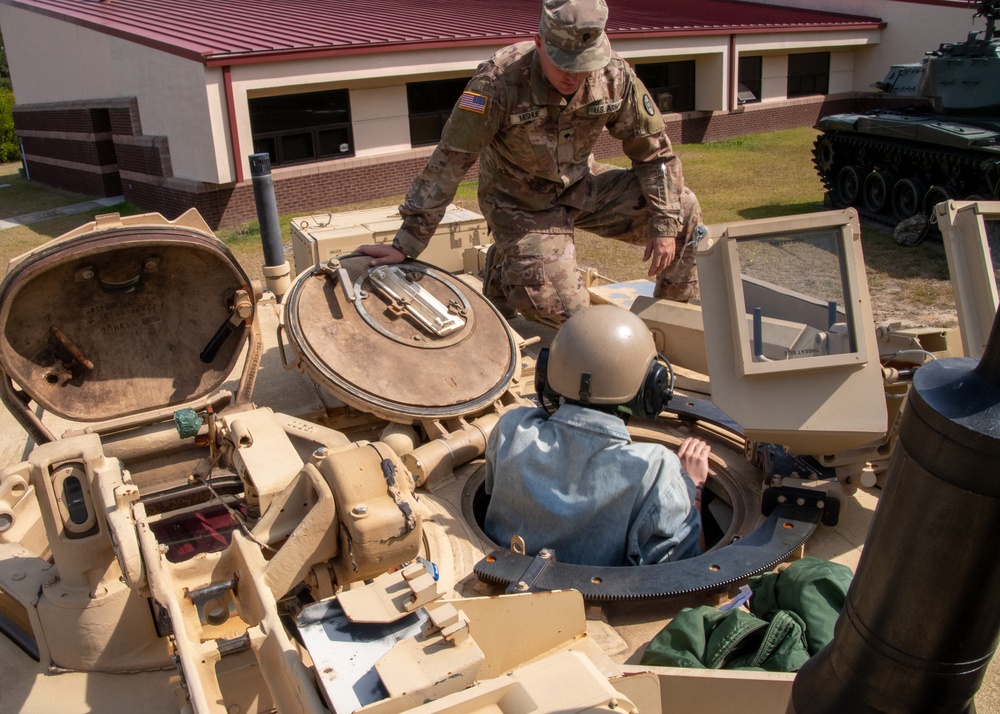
(897, 300)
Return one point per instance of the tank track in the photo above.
(889, 180)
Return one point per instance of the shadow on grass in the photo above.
(926, 260)
(777, 210)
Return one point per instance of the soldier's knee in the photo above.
(543, 303)
(543, 292)
(690, 209)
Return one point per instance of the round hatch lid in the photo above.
(404, 342)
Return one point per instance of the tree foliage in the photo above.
(9, 150)
(4, 69)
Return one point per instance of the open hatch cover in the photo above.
(123, 316)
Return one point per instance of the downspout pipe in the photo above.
(276, 269)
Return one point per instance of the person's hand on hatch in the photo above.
(382, 254)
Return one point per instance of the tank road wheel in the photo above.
(877, 189)
(907, 198)
(849, 185)
(934, 196)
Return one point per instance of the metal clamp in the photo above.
(537, 566)
(816, 498)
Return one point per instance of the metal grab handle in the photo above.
(71, 347)
(281, 350)
(224, 332)
(242, 311)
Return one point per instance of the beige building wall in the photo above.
(712, 82)
(774, 78)
(380, 120)
(674, 48)
(841, 72)
(62, 56)
(177, 97)
(776, 47)
(709, 53)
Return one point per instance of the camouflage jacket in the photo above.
(534, 148)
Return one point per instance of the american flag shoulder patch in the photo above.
(473, 102)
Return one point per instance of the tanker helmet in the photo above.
(605, 356)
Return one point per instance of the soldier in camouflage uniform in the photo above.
(531, 115)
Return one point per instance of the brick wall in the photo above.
(63, 117)
(71, 145)
(89, 183)
(98, 148)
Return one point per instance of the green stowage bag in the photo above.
(792, 614)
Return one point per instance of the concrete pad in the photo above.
(70, 210)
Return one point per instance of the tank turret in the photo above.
(896, 164)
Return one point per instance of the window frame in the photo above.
(277, 147)
(818, 81)
(441, 113)
(844, 225)
(687, 86)
(750, 79)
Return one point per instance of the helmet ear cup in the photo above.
(654, 393)
(541, 374)
(656, 389)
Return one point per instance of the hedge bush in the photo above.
(9, 150)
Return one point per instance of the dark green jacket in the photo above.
(792, 614)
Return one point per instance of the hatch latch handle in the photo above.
(242, 310)
(338, 274)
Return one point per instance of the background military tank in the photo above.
(899, 163)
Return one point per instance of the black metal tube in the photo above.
(267, 209)
(920, 623)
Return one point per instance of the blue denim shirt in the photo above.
(576, 483)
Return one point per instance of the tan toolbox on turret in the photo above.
(321, 236)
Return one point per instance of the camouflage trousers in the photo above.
(537, 273)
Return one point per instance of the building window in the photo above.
(296, 128)
(808, 73)
(750, 72)
(429, 105)
(671, 84)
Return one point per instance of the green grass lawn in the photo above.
(19, 196)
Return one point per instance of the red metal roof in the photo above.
(238, 31)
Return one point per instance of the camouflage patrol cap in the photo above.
(572, 33)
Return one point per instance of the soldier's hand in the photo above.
(662, 250)
(382, 254)
(693, 454)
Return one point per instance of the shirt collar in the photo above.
(581, 417)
